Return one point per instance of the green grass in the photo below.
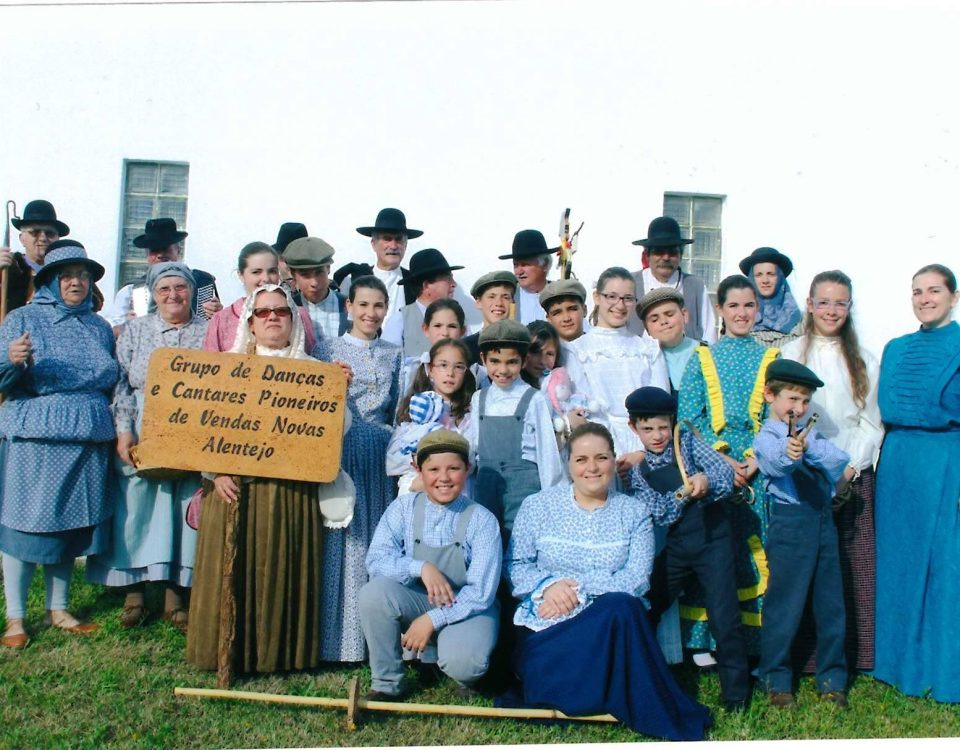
(115, 689)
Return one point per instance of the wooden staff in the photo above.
(568, 245)
(226, 642)
(354, 704)
(4, 276)
(684, 492)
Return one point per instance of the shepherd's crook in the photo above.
(355, 703)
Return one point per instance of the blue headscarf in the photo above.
(49, 294)
(778, 312)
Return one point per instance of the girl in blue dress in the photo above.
(918, 491)
(372, 399)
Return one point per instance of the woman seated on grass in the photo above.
(579, 560)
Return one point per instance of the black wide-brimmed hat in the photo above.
(390, 220)
(663, 232)
(289, 231)
(528, 243)
(427, 263)
(766, 255)
(40, 212)
(158, 234)
(64, 253)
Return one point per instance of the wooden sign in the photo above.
(243, 415)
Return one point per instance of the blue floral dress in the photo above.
(372, 399)
(722, 395)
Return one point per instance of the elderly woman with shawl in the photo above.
(278, 567)
(779, 319)
(56, 435)
(151, 539)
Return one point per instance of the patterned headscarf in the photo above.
(49, 294)
(295, 349)
(778, 312)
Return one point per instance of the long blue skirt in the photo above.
(607, 660)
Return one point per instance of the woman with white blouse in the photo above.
(609, 362)
(850, 418)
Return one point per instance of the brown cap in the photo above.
(505, 333)
(308, 252)
(656, 296)
(442, 441)
(504, 278)
(562, 288)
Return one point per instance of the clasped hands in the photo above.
(559, 598)
(439, 594)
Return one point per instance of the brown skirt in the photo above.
(858, 567)
(277, 578)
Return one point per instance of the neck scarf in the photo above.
(49, 294)
(779, 312)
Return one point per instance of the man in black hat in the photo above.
(289, 231)
(532, 260)
(662, 250)
(162, 241)
(39, 228)
(431, 278)
(388, 238)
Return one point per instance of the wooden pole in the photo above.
(388, 706)
(226, 643)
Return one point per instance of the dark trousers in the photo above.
(803, 558)
(700, 545)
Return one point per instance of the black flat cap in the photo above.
(789, 371)
(651, 401)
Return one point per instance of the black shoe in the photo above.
(735, 707)
(376, 695)
(429, 673)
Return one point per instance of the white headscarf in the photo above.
(295, 350)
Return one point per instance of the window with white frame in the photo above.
(151, 189)
(699, 217)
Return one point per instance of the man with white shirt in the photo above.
(663, 248)
(430, 278)
(532, 260)
(309, 259)
(388, 238)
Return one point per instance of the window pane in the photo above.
(138, 211)
(132, 273)
(706, 212)
(141, 178)
(677, 207)
(706, 244)
(707, 270)
(173, 180)
(175, 208)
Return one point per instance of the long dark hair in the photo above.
(849, 343)
(253, 248)
(460, 401)
(368, 282)
(444, 303)
(736, 281)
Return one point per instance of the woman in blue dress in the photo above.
(580, 559)
(57, 369)
(151, 539)
(918, 490)
(722, 395)
(372, 398)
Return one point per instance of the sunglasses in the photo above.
(280, 312)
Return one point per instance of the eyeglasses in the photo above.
(457, 367)
(612, 299)
(50, 234)
(81, 275)
(829, 304)
(264, 312)
(177, 289)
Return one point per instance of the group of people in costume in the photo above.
(555, 507)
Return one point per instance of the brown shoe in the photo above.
(67, 623)
(178, 617)
(836, 697)
(132, 615)
(782, 700)
(20, 640)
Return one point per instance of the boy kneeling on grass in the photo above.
(802, 472)
(434, 566)
(699, 538)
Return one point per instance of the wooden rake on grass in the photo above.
(354, 704)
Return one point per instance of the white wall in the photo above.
(831, 126)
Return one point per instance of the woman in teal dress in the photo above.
(722, 395)
(918, 491)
